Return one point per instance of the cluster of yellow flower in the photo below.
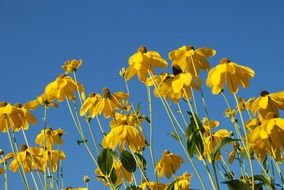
(17, 117)
(124, 144)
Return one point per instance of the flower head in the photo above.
(230, 73)
(121, 174)
(40, 100)
(266, 137)
(153, 186)
(105, 103)
(63, 87)
(89, 105)
(142, 62)
(124, 134)
(209, 124)
(48, 137)
(191, 60)
(212, 140)
(71, 65)
(29, 158)
(52, 158)
(183, 181)
(268, 103)
(132, 119)
(174, 86)
(15, 117)
(168, 164)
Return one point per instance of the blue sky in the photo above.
(36, 37)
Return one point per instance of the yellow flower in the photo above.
(124, 134)
(209, 124)
(212, 140)
(268, 103)
(79, 188)
(183, 181)
(51, 159)
(48, 137)
(142, 62)
(132, 119)
(29, 158)
(121, 174)
(71, 65)
(168, 164)
(244, 104)
(40, 100)
(63, 87)
(89, 105)
(15, 117)
(2, 171)
(153, 186)
(191, 60)
(231, 73)
(266, 137)
(174, 87)
(106, 104)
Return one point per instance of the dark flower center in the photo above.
(142, 49)
(176, 70)
(264, 93)
(106, 92)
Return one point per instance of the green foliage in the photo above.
(236, 184)
(193, 136)
(128, 161)
(222, 143)
(105, 161)
(175, 135)
(141, 161)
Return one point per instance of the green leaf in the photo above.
(105, 161)
(222, 143)
(147, 119)
(266, 181)
(171, 186)
(141, 162)
(113, 176)
(193, 136)
(236, 185)
(194, 144)
(175, 136)
(128, 161)
(138, 108)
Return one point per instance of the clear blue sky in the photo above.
(36, 37)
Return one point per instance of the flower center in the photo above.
(106, 92)
(264, 93)
(225, 60)
(176, 70)
(142, 49)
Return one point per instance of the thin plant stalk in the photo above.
(205, 163)
(151, 132)
(180, 140)
(246, 138)
(86, 144)
(14, 148)
(33, 178)
(5, 173)
(182, 114)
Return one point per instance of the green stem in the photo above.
(246, 138)
(15, 150)
(167, 107)
(33, 178)
(5, 173)
(86, 144)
